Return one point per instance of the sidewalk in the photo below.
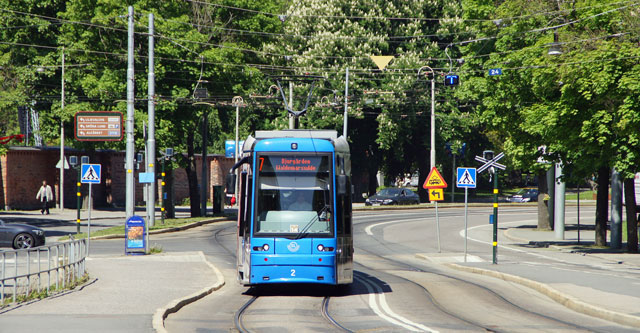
(123, 294)
(599, 282)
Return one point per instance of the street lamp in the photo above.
(555, 48)
(238, 102)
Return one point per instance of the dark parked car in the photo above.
(20, 236)
(393, 196)
(524, 195)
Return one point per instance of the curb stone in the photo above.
(562, 298)
(168, 230)
(174, 306)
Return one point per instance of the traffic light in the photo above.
(451, 80)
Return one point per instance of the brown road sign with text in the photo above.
(98, 126)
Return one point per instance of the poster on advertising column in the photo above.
(134, 231)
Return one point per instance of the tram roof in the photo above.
(298, 133)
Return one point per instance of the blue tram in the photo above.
(294, 208)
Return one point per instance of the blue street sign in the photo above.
(230, 148)
(90, 173)
(451, 80)
(466, 177)
(495, 71)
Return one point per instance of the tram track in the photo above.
(238, 322)
(434, 301)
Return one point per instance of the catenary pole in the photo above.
(346, 104)
(129, 181)
(433, 121)
(62, 164)
(151, 139)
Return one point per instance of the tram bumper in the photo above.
(293, 269)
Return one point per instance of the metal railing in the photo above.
(26, 271)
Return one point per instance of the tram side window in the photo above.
(244, 197)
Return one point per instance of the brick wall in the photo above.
(22, 170)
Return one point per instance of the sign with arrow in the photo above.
(434, 180)
(436, 194)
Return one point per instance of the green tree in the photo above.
(579, 104)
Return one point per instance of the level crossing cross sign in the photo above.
(90, 173)
(466, 177)
(434, 180)
(490, 163)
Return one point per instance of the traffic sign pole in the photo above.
(495, 218)
(438, 226)
(466, 191)
(89, 222)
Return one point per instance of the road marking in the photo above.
(368, 229)
(390, 316)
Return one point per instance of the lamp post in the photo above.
(432, 154)
(237, 101)
(62, 140)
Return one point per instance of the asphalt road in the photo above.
(402, 281)
(394, 289)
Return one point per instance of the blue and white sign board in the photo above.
(230, 148)
(495, 71)
(466, 177)
(134, 232)
(146, 177)
(90, 173)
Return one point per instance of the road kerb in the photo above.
(558, 296)
(161, 314)
(174, 229)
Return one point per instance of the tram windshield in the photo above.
(294, 196)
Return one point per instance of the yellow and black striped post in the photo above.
(162, 194)
(79, 197)
(495, 217)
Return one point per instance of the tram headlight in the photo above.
(264, 247)
(322, 248)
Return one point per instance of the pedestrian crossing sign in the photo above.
(434, 180)
(466, 177)
(90, 173)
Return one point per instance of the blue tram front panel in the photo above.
(278, 260)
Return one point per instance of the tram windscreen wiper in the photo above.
(313, 220)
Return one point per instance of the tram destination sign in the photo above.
(98, 126)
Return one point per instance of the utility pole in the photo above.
(62, 164)
(151, 140)
(203, 190)
(346, 104)
(433, 121)
(129, 181)
(293, 119)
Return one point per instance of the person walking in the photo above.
(45, 195)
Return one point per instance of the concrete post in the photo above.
(151, 139)
(559, 203)
(129, 181)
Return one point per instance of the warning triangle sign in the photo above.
(434, 180)
(381, 61)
